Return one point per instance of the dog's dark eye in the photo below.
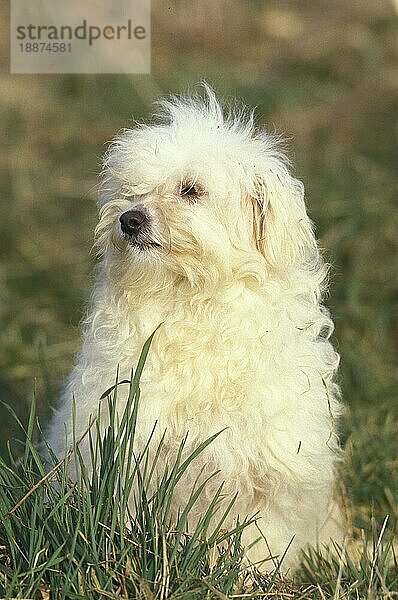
(190, 190)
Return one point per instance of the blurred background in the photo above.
(325, 74)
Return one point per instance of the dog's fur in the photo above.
(228, 263)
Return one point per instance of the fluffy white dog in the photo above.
(203, 230)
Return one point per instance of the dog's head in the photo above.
(201, 195)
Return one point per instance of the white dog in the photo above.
(203, 230)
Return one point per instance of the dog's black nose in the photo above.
(133, 221)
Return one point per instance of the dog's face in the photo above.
(200, 197)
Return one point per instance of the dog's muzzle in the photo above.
(136, 228)
(133, 222)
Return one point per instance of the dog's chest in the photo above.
(239, 366)
(212, 358)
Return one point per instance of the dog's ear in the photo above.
(282, 230)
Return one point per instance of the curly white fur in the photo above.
(230, 266)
